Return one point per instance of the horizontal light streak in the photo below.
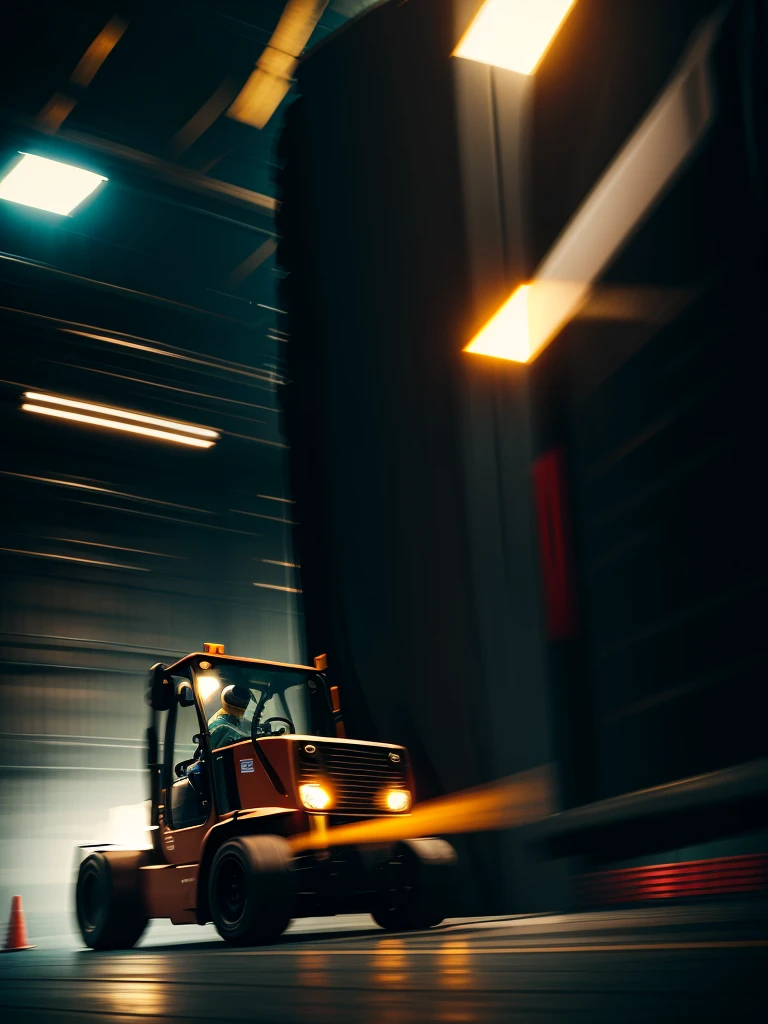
(259, 515)
(116, 547)
(166, 387)
(272, 561)
(273, 586)
(103, 490)
(271, 497)
(72, 558)
(130, 428)
(71, 403)
(235, 368)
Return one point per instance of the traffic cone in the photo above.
(17, 928)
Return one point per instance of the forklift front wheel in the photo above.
(415, 885)
(250, 889)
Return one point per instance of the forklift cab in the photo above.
(253, 699)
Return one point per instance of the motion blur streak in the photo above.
(518, 800)
(273, 586)
(72, 558)
(623, 196)
(260, 515)
(185, 428)
(115, 547)
(130, 428)
(231, 367)
(167, 387)
(56, 482)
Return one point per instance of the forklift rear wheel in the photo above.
(251, 889)
(415, 885)
(108, 901)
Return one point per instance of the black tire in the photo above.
(110, 910)
(415, 885)
(251, 889)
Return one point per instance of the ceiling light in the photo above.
(513, 34)
(506, 335)
(131, 428)
(48, 184)
(108, 410)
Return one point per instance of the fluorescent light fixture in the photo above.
(619, 202)
(48, 184)
(505, 336)
(130, 428)
(513, 34)
(125, 414)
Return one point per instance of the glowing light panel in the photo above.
(48, 184)
(513, 34)
(506, 335)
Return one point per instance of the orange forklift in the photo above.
(254, 754)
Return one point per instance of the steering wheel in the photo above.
(276, 718)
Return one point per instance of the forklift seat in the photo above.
(186, 805)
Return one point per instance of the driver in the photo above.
(226, 726)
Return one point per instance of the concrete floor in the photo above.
(673, 963)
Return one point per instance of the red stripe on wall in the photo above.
(715, 876)
(549, 492)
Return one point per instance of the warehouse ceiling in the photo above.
(154, 298)
(143, 94)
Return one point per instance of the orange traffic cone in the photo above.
(17, 928)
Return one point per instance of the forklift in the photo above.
(254, 755)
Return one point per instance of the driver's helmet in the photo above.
(235, 699)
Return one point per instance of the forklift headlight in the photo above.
(314, 797)
(398, 800)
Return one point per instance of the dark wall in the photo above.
(659, 415)
(415, 539)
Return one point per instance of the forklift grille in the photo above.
(358, 776)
